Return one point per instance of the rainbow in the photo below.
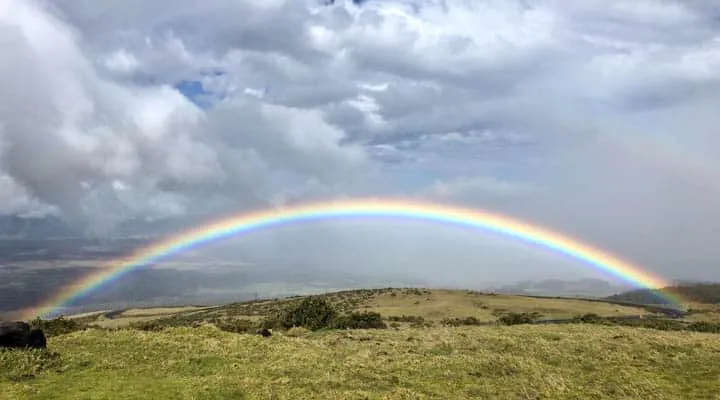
(253, 221)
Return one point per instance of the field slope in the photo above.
(515, 362)
(432, 305)
(213, 353)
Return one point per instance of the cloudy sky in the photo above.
(598, 119)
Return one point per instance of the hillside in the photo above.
(432, 306)
(703, 293)
(521, 362)
(433, 344)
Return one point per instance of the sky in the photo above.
(597, 119)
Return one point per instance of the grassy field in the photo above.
(133, 315)
(432, 305)
(438, 304)
(514, 362)
(116, 359)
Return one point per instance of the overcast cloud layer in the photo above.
(595, 118)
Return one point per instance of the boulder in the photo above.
(19, 335)
(264, 332)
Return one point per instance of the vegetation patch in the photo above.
(573, 361)
(663, 324)
(462, 321)
(513, 318)
(58, 326)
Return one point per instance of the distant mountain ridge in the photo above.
(586, 287)
(701, 292)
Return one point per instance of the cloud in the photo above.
(594, 118)
(79, 140)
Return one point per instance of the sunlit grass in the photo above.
(525, 362)
(433, 305)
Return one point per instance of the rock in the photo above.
(18, 335)
(36, 339)
(264, 332)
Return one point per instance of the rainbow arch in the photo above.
(358, 208)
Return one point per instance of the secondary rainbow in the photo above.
(400, 208)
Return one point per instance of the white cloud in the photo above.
(580, 116)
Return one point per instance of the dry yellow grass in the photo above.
(88, 314)
(441, 304)
(145, 312)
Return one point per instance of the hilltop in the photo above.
(424, 343)
(430, 305)
(702, 293)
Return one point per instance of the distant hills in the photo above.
(708, 293)
(587, 287)
(699, 292)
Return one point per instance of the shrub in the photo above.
(364, 320)
(159, 324)
(406, 318)
(270, 322)
(461, 321)
(237, 325)
(590, 318)
(57, 326)
(704, 326)
(519, 318)
(497, 312)
(425, 324)
(312, 312)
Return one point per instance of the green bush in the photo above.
(461, 321)
(159, 324)
(364, 320)
(519, 318)
(651, 323)
(704, 326)
(590, 318)
(57, 326)
(406, 318)
(312, 312)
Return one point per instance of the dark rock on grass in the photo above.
(18, 335)
(36, 339)
(264, 332)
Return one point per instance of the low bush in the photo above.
(57, 326)
(406, 318)
(461, 321)
(589, 318)
(519, 318)
(704, 326)
(364, 320)
(312, 312)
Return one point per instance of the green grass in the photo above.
(422, 358)
(517, 362)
